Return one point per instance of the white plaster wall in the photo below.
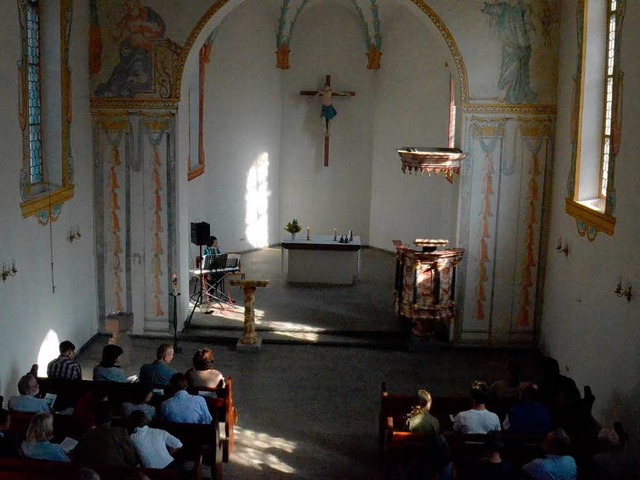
(593, 333)
(241, 131)
(28, 306)
(412, 109)
(327, 40)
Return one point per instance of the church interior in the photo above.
(125, 121)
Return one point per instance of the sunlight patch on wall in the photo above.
(49, 349)
(256, 449)
(257, 203)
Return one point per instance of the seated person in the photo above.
(491, 466)
(529, 417)
(159, 372)
(508, 389)
(212, 247)
(108, 370)
(38, 445)
(65, 367)
(557, 463)
(557, 392)
(153, 445)
(203, 374)
(84, 412)
(611, 462)
(182, 407)
(7, 440)
(478, 419)
(420, 420)
(104, 444)
(26, 401)
(144, 392)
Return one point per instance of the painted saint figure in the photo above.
(139, 29)
(513, 29)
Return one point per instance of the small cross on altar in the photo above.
(328, 112)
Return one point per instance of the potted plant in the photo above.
(293, 227)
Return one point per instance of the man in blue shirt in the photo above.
(182, 407)
(159, 372)
(556, 464)
(26, 402)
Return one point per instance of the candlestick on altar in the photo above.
(335, 234)
(308, 233)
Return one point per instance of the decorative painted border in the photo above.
(100, 104)
(500, 108)
(442, 28)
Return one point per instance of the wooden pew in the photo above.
(26, 469)
(398, 407)
(195, 438)
(221, 407)
(224, 407)
(400, 447)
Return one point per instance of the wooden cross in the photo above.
(328, 112)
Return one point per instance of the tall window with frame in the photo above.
(45, 186)
(36, 162)
(596, 117)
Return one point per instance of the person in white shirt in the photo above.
(153, 446)
(478, 419)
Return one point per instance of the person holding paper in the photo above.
(38, 445)
(27, 402)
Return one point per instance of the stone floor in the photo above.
(308, 401)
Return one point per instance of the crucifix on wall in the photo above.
(328, 111)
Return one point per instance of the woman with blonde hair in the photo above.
(203, 374)
(38, 445)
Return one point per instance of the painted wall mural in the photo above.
(367, 11)
(503, 189)
(493, 131)
(515, 21)
(534, 135)
(145, 60)
(112, 177)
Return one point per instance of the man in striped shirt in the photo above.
(65, 367)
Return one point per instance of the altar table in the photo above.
(321, 260)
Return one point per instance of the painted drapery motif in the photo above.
(513, 29)
(533, 137)
(114, 217)
(494, 131)
(155, 131)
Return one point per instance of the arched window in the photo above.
(596, 117)
(46, 177)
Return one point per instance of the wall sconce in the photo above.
(74, 234)
(8, 272)
(563, 248)
(626, 293)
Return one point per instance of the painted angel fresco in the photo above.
(513, 23)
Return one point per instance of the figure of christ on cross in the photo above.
(328, 111)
